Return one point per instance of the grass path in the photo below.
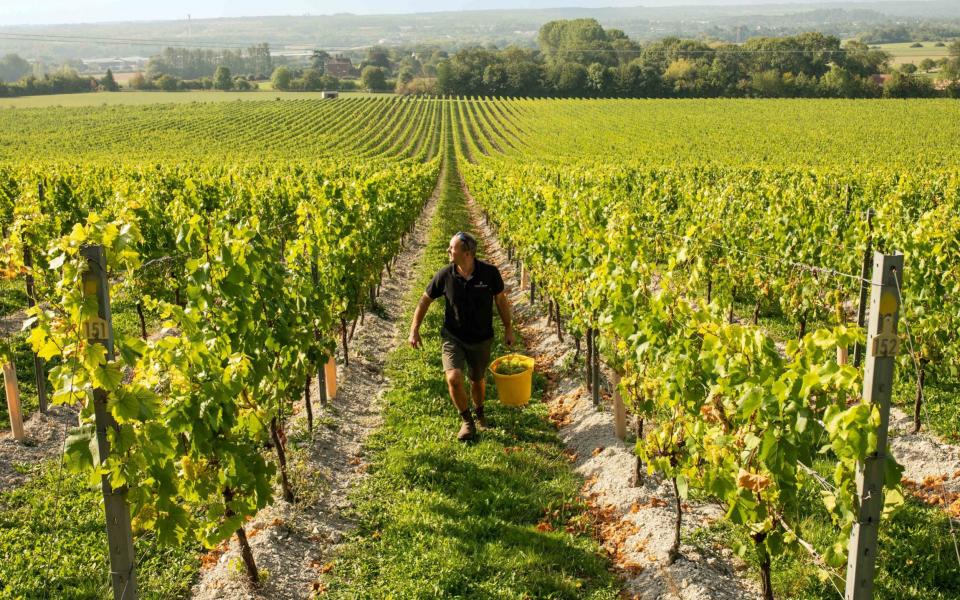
(53, 544)
(438, 518)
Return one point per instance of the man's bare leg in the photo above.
(459, 396)
(455, 386)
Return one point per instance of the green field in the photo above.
(136, 98)
(903, 53)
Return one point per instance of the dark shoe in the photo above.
(468, 431)
(481, 419)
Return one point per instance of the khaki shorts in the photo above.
(458, 355)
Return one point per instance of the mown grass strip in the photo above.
(438, 518)
(53, 544)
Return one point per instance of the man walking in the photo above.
(469, 287)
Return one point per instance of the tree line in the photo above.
(63, 81)
(197, 63)
(579, 58)
(379, 70)
(222, 80)
(917, 32)
(574, 58)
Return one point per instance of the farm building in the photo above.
(339, 66)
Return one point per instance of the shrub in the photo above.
(168, 83)
(281, 78)
(139, 82)
(374, 78)
(222, 80)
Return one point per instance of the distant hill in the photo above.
(451, 30)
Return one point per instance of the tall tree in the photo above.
(859, 59)
(576, 41)
(599, 79)
(807, 53)
(259, 60)
(13, 68)
(281, 78)
(569, 79)
(373, 78)
(318, 60)
(108, 83)
(524, 72)
(378, 56)
(312, 80)
(222, 79)
(951, 70)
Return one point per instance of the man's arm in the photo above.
(503, 307)
(418, 316)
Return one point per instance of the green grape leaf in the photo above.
(81, 452)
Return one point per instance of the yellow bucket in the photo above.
(514, 390)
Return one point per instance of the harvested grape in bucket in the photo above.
(511, 366)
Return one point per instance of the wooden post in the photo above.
(882, 344)
(343, 340)
(13, 400)
(864, 273)
(99, 330)
(524, 276)
(595, 371)
(533, 291)
(38, 367)
(637, 463)
(322, 383)
(321, 369)
(588, 360)
(330, 378)
(619, 410)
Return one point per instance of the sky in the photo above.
(45, 12)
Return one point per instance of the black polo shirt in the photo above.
(469, 302)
